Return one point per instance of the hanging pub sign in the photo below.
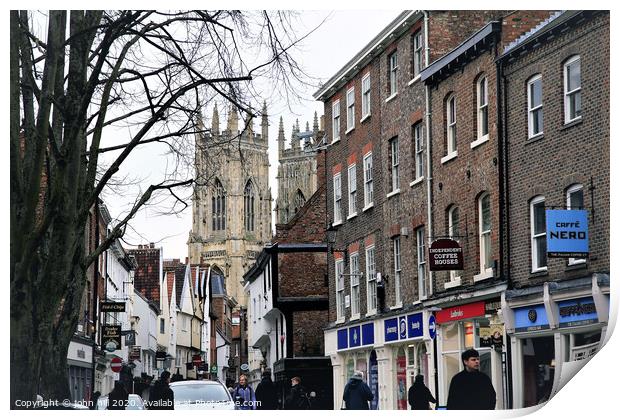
(111, 337)
(444, 255)
(111, 306)
(567, 233)
(134, 353)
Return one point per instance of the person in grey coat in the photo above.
(357, 393)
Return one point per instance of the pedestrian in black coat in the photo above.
(419, 395)
(118, 398)
(266, 393)
(297, 398)
(357, 393)
(161, 397)
(471, 389)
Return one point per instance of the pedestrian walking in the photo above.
(471, 389)
(419, 395)
(146, 390)
(161, 397)
(357, 393)
(266, 393)
(297, 398)
(118, 398)
(93, 403)
(243, 395)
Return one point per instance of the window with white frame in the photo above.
(534, 106)
(451, 124)
(483, 108)
(574, 201)
(366, 96)
(397, 270)
(395, 161)
(421, 246)
(572, 89)
(337, 198)
(371, 279)
(339, 288)
(354, 269)
(336, 121)
(484, 232)
(393, 68)
(368, 189)
(351, 109)
(417, 47)
(352, 190)
(418, 144)
(453, 231)
(539, 234)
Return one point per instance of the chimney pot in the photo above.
(152, 244)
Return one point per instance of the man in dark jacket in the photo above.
(117, 399)
(297, 398)
(357, 394)
(161, 397)
(471, 389)
(266, 393)
(419, 395)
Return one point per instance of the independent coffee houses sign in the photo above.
(110, 306)
(111, 337)
(403, 327)
(444, 255)
(567, 233)
(356, 336)
(531, 318)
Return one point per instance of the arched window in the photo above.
(218, 207)
(300, 200)
(248, 205)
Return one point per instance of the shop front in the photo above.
(553, 335)
(479, 326)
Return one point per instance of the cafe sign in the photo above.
(567, 233)
(445, 255)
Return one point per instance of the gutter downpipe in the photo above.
(429, 185)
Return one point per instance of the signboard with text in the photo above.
(567, 233)
(404, 327)
(445, 255)
(531, 318)
(577, 312)
(470, 310)
(110, 306)
(111, 337)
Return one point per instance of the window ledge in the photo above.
(392, 96)
(416, 181)
(338, 223)
(572, 123)
(368, 207)
(351, 216)
(364, 118)
(454, 283)
(349, 130)
(354, 317)
(371, 313)
(449, 157)
(340, 321)
(488, 274)
(399, 306)
(393, 193)
(480, 141)
(336, 140)
(535, 138)
(415, 79)
(540, 273)
(577, 265)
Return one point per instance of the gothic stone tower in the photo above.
(232, 201)
(297, 178)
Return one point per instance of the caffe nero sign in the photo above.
(567, 233)
(445, 255)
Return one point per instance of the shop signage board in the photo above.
(470, 310)
(368, 334)
(577, 312)
(111, 337)
(130, 337)
(567, 233)
(432, 327)
(134, 353)
(415, 325)
(531, 318)
(444, 255)
(404, 327)
(110, 306)
(356, 336)
(343, 340)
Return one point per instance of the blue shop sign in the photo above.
(343, 341)
(567, 233)
(577, 312)
(355, 337)
(368, 334)
(391, 329)
(531, 318)
(402, 328)
(414, 325)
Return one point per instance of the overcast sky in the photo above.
(322, 54)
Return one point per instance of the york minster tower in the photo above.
(232, 199)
